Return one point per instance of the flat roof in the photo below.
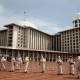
(26, 27)
(3, 29)
(69, 29)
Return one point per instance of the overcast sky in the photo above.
(49, 16)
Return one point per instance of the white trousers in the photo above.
(42, 66)
(59, 69)
(3, 66)
(25, 67)
(71, 68)
(78, 71)
(12, 66)
(18, 66)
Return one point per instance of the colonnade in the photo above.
(35, 55)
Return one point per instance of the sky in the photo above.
(50, 16)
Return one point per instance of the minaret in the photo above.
(76, 20)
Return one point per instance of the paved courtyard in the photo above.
(34, 73)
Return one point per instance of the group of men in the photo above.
(15, 64)
(72, 62)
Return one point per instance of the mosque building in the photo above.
(25, 39)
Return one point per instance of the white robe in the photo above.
(3, 60)
(18, 63)
(59, 66)
(26, 63)
(42, 64)
(71, 66)
(78, 67)
(12, 64)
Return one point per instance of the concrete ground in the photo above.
(34, 73)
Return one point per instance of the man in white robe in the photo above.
(26, 63)
(42, 64)
(12, 64)
(59, 66)
(78, 67)
(71, 65)
(18, 62)
(3, 61)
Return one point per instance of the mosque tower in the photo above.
(76, 20)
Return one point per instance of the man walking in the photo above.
(78, 67)
(71, 65)
(3, 61)
(59, 65)
(26, 63)
(42, 64)
(12, 64)
(18, 62)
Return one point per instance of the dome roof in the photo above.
(25, 23)
(77, 16)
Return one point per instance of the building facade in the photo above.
(24, 38)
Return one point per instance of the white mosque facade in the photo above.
(24, 38)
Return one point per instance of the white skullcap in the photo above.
(78, 57)
(58, 56)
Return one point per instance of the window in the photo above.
(76, 25)
(75, 21)
(18, 44)
(19, 28)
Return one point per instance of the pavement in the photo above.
(34, 72)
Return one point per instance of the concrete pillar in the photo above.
(55, 56)
(12, 52)
(52, 57)
(18, 52)
(37, 56)
(62, 56)
(41, 53)
(28, 54)
(0, 51)
(23, 54)
(33, 56)
(66, 56)
(45, 55)
(6, 54)
(49, 57)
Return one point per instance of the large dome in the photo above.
(25, 23)
(77, 16)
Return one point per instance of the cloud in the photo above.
(50, 27)
(1, 9)
(47, 26)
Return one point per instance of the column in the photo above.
(45, 55)
(62, 56)
(67, 57)
(55, 56)
(18, 52)
(23, 54)
(37, 56)
(6, 54)
(0, 51)
(12, 52)
(52, 57)
(33, 56)
(49, 57)
(28, 53)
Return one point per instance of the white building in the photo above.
(23, 37)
